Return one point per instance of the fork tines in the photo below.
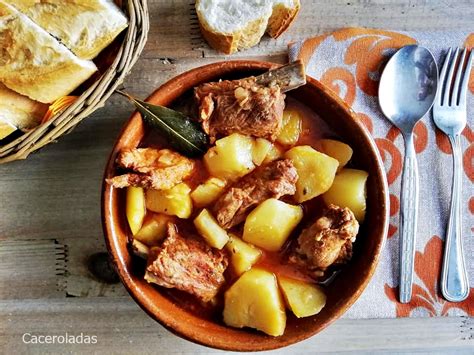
(454, 94)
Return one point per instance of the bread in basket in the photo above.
(54, 70)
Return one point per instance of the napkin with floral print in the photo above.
(349, 62)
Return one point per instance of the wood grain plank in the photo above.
(56, 193)
(172, 30)
(122, 328)
(79, 281)
(32, 269)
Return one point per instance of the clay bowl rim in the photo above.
(174, 88)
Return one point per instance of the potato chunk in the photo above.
(207, 192)
(316, 171)
(255, 301)
(303, 299)
(338, 150)
(135, 208)
(292, 126)
(153, 229)
(242, 255)
(231, 158)
(174, 202)
(273, 154)
(349, 190)
(270, 224)
(261, 148)
(210, 230)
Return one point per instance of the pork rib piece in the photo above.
(240, 106)
(326, 242)
(152, 168)
(187, 264)
(273, 180)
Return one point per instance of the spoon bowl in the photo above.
(408, 86)
(407, 92)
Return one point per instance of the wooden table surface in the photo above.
(50, 222)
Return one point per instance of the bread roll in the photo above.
(19, 111)
(231, 25)
(86, 27)
(35, 64)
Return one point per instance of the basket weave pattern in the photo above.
(95, 96)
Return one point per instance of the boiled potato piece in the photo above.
(210, 230)
(316, 171)
(303, 299)
(231, 158)
(153, 230)
(255, 301)
(270, 224)
(173, 202)
(349, 190)
(274, 153)
(338, 150)
(135, 208)
(140, 249)
(207, 192)
(261, 148)
(292, 126)
(242, 255)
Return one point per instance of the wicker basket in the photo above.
(92, 98)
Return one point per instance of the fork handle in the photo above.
(454, 282)
(408, 218)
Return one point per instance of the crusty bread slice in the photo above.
(35, 64)
(231, 25)
(19, 111)
(283, 14)
(86, 27)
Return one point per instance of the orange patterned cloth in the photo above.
(349, 62)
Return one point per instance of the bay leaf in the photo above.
(182, 133)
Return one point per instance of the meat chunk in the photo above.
(152, 168)
(326, 242)
(187, 264)
(240, 106)
(273, 180)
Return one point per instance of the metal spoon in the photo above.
(406, 93)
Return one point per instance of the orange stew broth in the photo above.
(313, 130)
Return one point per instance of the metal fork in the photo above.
(450, 115)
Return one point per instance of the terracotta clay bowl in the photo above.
(341, 293)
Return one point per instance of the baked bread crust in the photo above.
(20, 111)
(229, 43)
(219, 41)
(248, 36)
(35, 64)
(86, 27)
(282, 17)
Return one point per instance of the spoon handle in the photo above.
(408, 218)
(454, 282)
